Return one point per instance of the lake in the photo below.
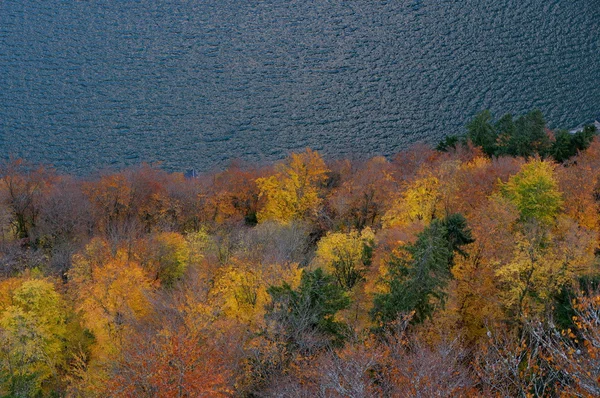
(194, 84)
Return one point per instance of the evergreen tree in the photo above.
(530, 135)
(307, 315)
(581, 140)
(419, 272)
(449, 142)
(567, 145)
(506, 129)
(457, 233)
(562, 148)
(482, 133)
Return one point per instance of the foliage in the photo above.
(542, 264)
(527, 136)
(170, 364)
(514, 364)
(111, 198)
(431, 273)
(305, 317)
(449, 142)
(575, 352)
(364, 193)
(294, 191)
(345, 256)
(418, 203)
(481, 132)
(534, 191)
(419, 272)
(21, 188)
(166, 255)
(241, 289)
(32, 338)
(111, 291)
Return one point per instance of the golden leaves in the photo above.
(294, 192)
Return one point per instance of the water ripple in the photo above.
(197, 83)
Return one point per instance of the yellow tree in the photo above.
(534, 190)
(165, 255)
(346, 256)
(111, 291)
(473, 301)
(418, 203)
(197, 243)
(32, 338)
(294, 191)
(544, 262)
(240, 288)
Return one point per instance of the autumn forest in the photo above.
(467, 270)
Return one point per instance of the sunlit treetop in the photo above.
(294, 192)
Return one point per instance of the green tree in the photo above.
(419, 272)
(529, 136)
(448, 142)
(566, 145)
(305, 318)
(562, 148)
(458, 234)
(481, 132)
(581, 140)
(506, 129)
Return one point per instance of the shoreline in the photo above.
(594, 122)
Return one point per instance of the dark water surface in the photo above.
(90, 84)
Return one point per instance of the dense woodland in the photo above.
(467, 270)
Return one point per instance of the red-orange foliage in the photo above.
(170, 364)
(21, 188)
(229, 196)
(364, 194)
(164, 268)
(580, 184)
(111, 198)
